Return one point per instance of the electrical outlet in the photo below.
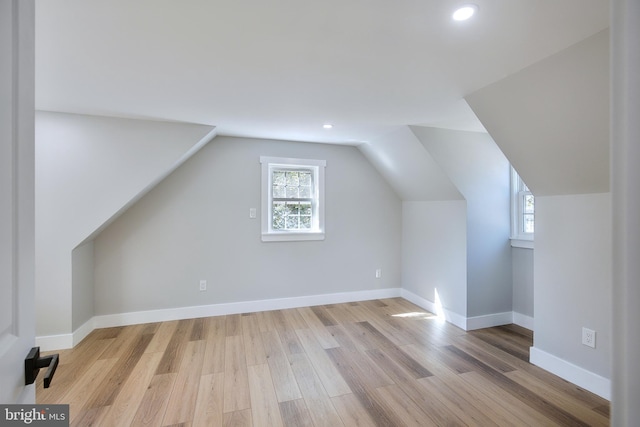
(203, 285)
(589, 337)
(378, 273)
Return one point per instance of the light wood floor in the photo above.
(375, 363)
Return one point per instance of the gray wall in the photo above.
(82, 284)
(88, 168)
(479, 170)
(434, 252)
(573, 278)
(552, 121)
(522, 277)
(625, 176)
(195, 225)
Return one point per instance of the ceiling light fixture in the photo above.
(465, 12)
(327, 126)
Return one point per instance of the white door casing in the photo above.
(17, 307)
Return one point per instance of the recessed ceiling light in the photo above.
(465, 12)
(327, 126)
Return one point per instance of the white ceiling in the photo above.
(281, 68)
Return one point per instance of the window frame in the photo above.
(317, 168)
(519, 191)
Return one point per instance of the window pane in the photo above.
(292, 192)
(528, 204)
(305, 178)
(305, 209)
(278, 178)
(292, 223)
(293, 208)
(305, 222)
(305, 191)
(278, 215)
(528, 223)
(292, 179)
(279, 191)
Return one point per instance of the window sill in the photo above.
(522, 243)
(291, 237)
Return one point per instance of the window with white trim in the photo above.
(522, 209)
(292, 199)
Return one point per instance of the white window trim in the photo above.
(318, 167)
(519, 239)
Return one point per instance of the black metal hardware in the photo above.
(34, 362)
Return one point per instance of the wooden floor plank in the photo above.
(351, 411)
(322, 334)
(321, 410)
(108, 389)
(198, 331)
(295, 414)
(77, 396)
(294, 319)
(521, 413)
(210, 401)
(290, 341)
(265, 410)
(372, 363)
(238, 419)
(331, 379)
(128, 400)
(162, 337)
(71, 373)
(357, 384)
(573, 406)
(172, 356)
(479, 400)
(234, 325)
(215, 347)
(283, 378)
(253, 345)
(236, 379)
(539, 403)
(182, 402)
(154, 402)
(323, 315)
(394, 400)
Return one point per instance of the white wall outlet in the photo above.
(589, 337)
(378, 273)
(203, 285)
(252, 213)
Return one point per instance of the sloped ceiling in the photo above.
(552, 119)
(415, 176)
(280, 69)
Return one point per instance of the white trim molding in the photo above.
(451, 317)
(522, 243)
(523, 320)
(489, 320)
(64, 341)
(572, 373)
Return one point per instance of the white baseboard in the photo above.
(572, 373)
(523, 320)
(449, 316)
(64, 341)
(55, 342)
(60, 342)
(489, 320)
(471, 323)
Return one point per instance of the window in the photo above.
(522, 209)
(292, 199)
